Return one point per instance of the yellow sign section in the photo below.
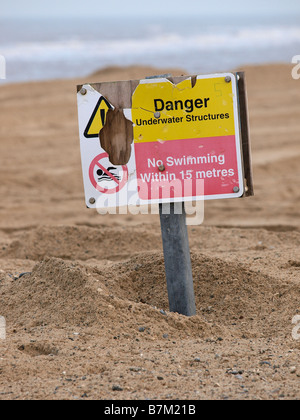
(162, 111)
(98, 118)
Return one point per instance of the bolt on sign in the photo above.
(164, 139)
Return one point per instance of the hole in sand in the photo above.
(38, 349)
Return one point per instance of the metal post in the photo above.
(177, 259)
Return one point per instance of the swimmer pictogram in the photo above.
(105, 177)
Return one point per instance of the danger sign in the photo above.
(192, 134)
(182, 138)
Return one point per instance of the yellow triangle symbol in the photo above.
(97, 120)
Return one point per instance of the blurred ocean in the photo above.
(49, 49)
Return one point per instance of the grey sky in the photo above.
(64, 8)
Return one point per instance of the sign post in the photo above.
(177, 259)
(166, 140)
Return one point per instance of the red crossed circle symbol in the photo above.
(120, 184)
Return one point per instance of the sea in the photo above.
(40, 49)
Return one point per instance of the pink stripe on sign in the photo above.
(210, 160)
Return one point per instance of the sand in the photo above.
(84, 296)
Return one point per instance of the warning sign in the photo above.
(183, 136)
(188, 132)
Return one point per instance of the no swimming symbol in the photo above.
(105, 177)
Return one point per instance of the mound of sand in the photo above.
(122, 295)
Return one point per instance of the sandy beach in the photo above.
(84, 295)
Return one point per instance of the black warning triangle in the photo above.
(97, 119)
